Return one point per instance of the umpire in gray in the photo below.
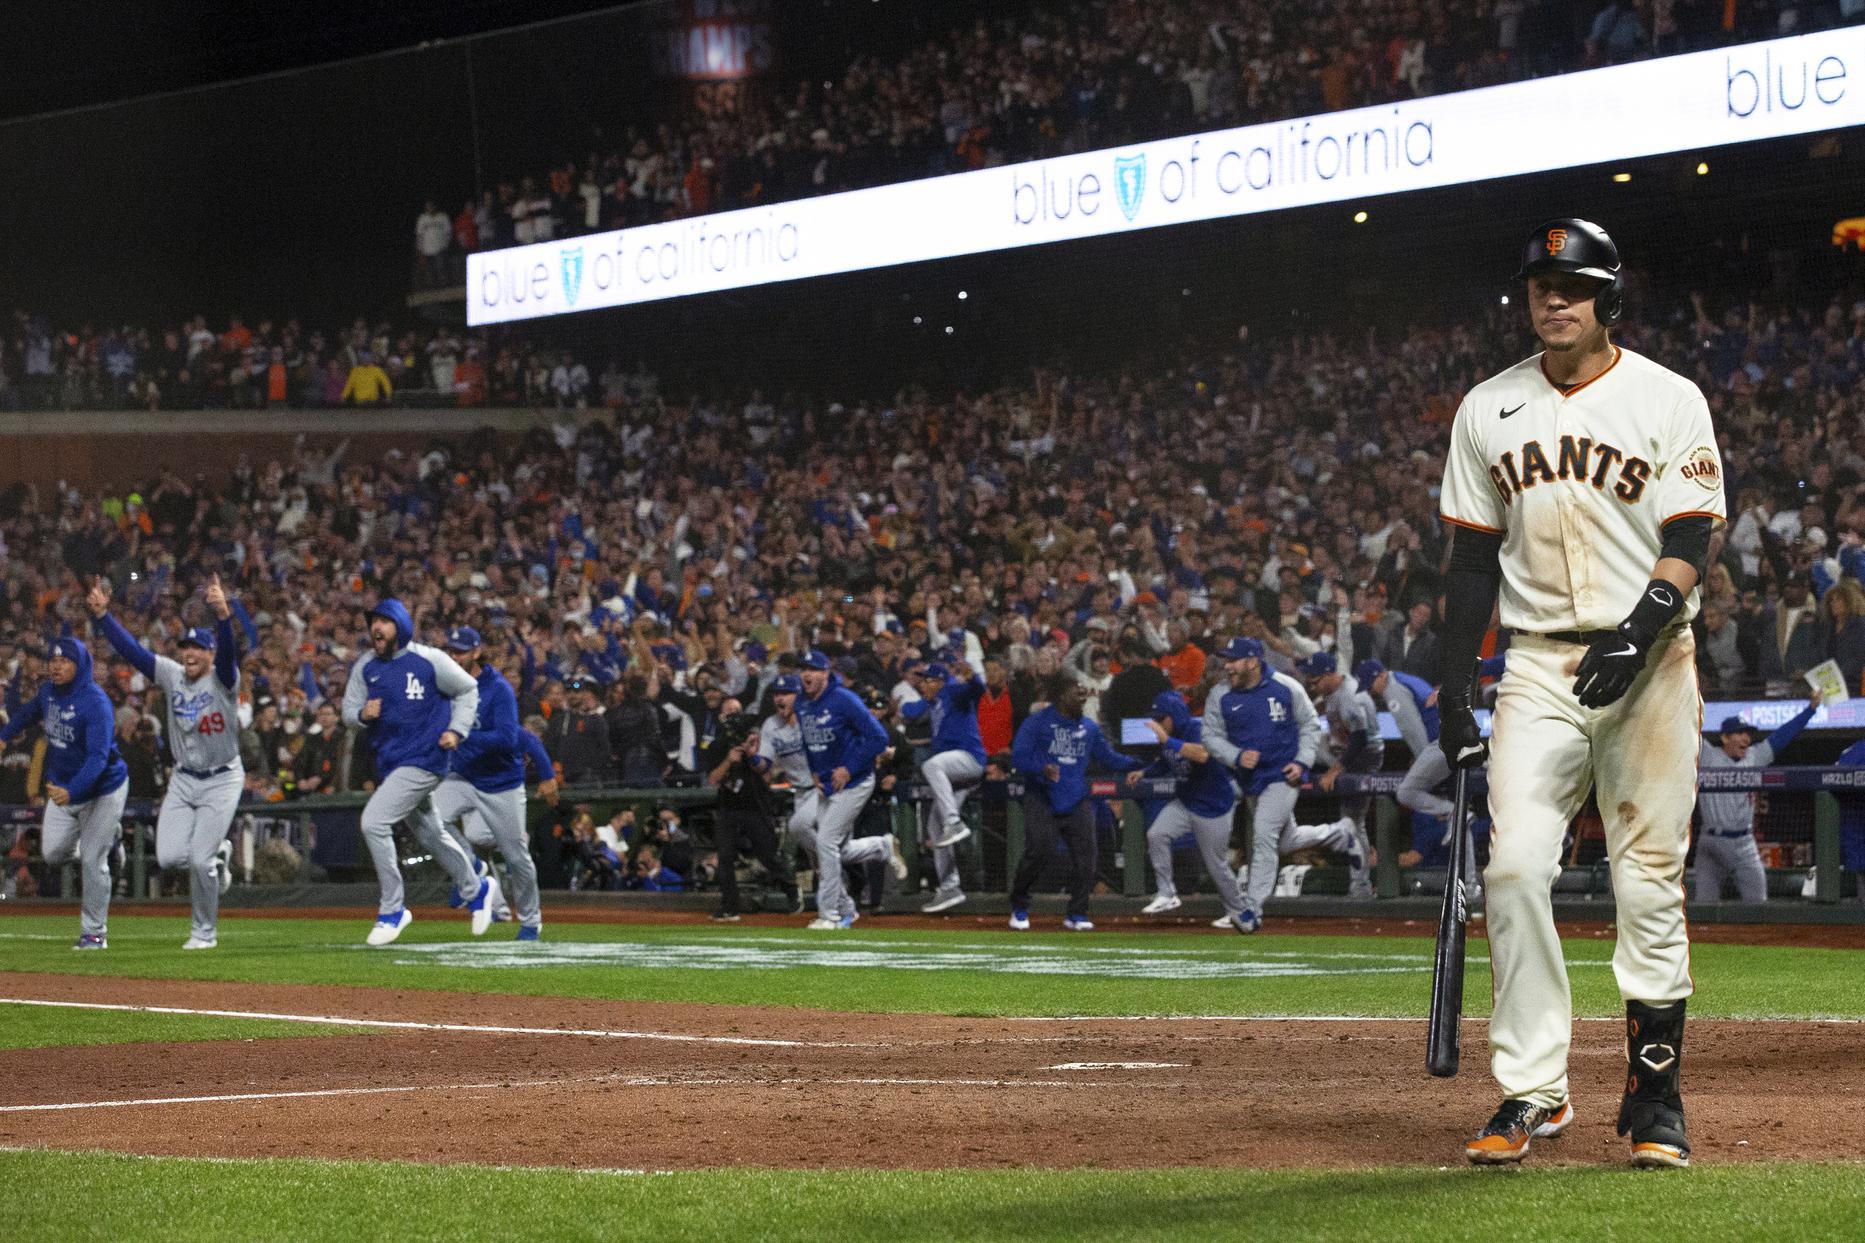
(1726, 843)
(202, 686)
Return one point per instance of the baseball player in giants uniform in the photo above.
(418, 705)
(842, 740)
(1262, 725)
(1201, 806)
(1584, 483)
(954, 768)
(1726, 843)
(485, 788)
(202, 684)
(86, 781)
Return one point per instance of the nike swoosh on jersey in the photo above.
(1511, 410)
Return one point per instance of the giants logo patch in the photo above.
(1701, 468)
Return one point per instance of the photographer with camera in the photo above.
(744, 811)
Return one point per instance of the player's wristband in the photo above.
(1657, 605)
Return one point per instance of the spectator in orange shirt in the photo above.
(1184, 662)
(469, 378)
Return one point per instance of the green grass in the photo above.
(92, 1196)
(45, 1027)
(1377, 975)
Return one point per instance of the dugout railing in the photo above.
(324, 832)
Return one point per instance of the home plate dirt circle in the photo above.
(671, 1086)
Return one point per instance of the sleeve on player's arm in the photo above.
(1692, 482)
(1307, 723)
(1216, 731)
(355, 695)
(1468, 499)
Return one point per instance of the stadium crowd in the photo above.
(1046, 79)
(272, 363)
(637, 570)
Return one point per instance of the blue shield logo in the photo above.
(1130, 183)
(570, 265)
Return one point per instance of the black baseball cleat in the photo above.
(1504, 1139)
(1652, 1112)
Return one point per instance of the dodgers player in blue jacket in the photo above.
(1052, 751)
(1201, 806)
(1414, 707)
(86, 780)
(1262, 725)
(417, 705)
(484, 793)
(843, 740)
(952, 770)
(202, 684)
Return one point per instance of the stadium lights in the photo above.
(948, 330)
(916, 319)
(1505, 299)
(1359, 217)
(1622, 178)
(1703, 170)
(962, 295)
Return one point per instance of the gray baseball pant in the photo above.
(403, 795)
(1213, 836)
(800, 829)
(1419, 792)
(1719, 858)
(1270, 812)
(835, 820)
(495, 819)
(196, 814)
(86, 832)
(950, 776)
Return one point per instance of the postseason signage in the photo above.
(1765, 90)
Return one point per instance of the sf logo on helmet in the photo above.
(1557, 241)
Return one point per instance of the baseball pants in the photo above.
(944, 858)
(494, 818)
(86, 832)
(835, 849)
(404, 795)
(1419, 792)
(1041, 829)
(1720, 857)
(800, 829)
(196, 814)
(1271, 812)
(1212, 834)
(1546, 752)
(950, 776)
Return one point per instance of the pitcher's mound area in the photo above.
(662, 1086)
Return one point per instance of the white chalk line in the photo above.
(330, 1020)
(619, 1081)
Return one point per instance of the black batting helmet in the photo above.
(1583, 248)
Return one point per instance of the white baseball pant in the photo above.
(1546, 752)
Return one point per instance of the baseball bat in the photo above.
(1447, 970)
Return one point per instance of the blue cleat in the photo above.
(527, 933)
(91, 941)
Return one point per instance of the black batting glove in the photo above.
(1613, 662)
(1459, 737)
(1609, 668)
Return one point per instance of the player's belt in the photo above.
(204, 773)
(1730, 832)
(1585, 638)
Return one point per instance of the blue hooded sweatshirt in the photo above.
(954, 712)
(492, 757)
(840, 732)
(80, 730)
(1205, 788)
(1070, 743)
(424, 693)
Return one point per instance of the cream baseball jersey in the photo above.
(1580, 483)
